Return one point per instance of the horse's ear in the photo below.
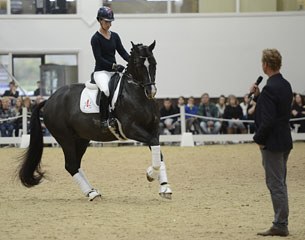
(133, 45)
(152, 46)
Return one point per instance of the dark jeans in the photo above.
(275, 165)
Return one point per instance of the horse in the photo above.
(136, 110)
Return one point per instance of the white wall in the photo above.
(218, 54)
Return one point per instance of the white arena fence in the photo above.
(183, 139)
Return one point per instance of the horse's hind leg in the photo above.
(158, 170)
(74, 151)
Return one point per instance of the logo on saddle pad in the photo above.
(89, 95)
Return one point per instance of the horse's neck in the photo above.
(131, 86)
(128, 77)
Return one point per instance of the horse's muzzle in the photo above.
(150, 91)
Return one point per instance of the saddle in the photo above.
(112, 85)
(90, 100)
(91, 94)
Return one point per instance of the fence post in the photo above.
(24, 121)
(182, 119)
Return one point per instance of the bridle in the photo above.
(141, 62)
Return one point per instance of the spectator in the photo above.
(169, 125)
(244, 106)
(298, 111)
(12, 92)
(6, 126)
(251, 111)
(37, 91)
(18, 112)
(208, 109)
(221, 105)
(234, 112)
(181, 102)
(27, 103)
(192, 123)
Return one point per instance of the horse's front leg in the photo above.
(158, 171)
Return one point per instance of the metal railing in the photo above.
(198, 138)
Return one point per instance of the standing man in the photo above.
(273, 136)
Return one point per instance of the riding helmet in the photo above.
(105, 13)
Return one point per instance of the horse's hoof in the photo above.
(166, 195)
(165, 191)
(93, 195)
(151, 174)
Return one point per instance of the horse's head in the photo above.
(142, 67)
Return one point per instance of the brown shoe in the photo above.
(275, 232)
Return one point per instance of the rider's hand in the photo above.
(118, 67)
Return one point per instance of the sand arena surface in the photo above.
(219, 192)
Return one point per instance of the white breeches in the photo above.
(102, 79)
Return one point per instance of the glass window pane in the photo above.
(287, 5)
(184, 6)
(258, 6)
(16, 6)
(43, 6)
(70, 60)
(4, 77)
(3, 9)
(301, 5)
(136, 6)
(217, 6)
(27, 72)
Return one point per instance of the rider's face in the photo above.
(105, 24)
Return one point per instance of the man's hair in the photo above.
(205, 94)
(272, 58)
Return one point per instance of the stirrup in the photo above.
(112, 122)
(104, 124)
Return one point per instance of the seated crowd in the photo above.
(226, 115)
(11, 110)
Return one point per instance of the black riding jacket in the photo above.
(104, 51)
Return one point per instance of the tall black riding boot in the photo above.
(104, 110)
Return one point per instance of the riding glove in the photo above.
(118, 67)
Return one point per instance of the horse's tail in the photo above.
(30, 173)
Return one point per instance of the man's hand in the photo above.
(255, 90)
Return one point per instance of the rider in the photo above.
(104, 44)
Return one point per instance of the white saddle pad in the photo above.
(88, 98)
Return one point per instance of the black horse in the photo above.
(136, 110)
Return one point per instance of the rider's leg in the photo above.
(104, 110)
(102, 79)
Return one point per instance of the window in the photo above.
(42, 6)
(136, 6)
(53, 69)
(4, 77)
(3, 9)
(203, 6)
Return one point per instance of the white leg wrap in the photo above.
(156, 157)
(82, 183)
(162, 174)
(82, 173)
